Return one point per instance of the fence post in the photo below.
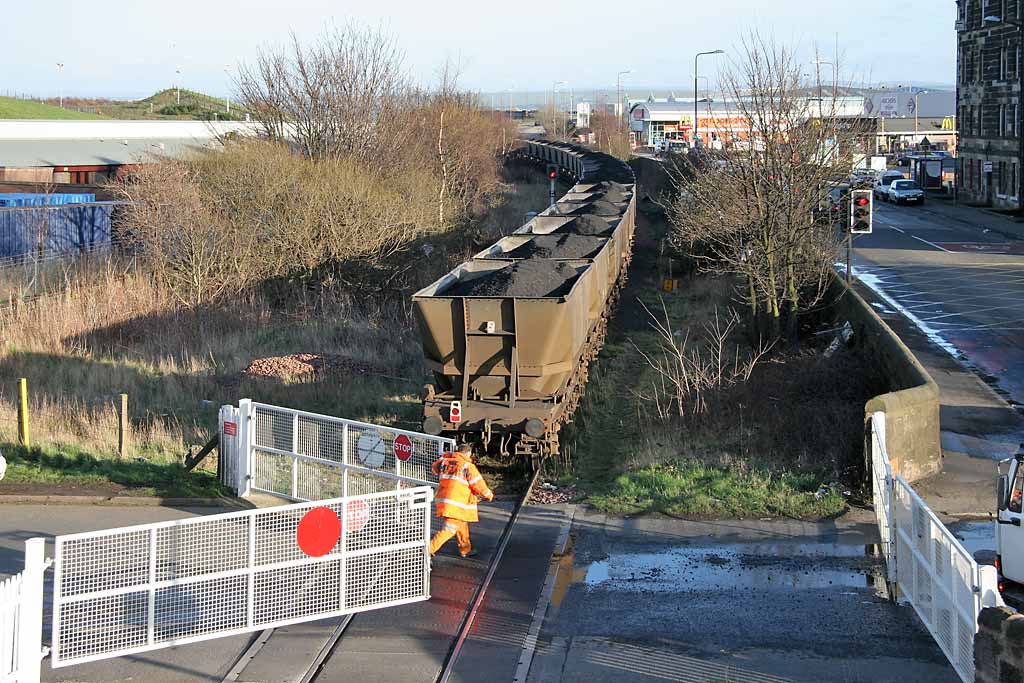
(122, 426)
(244, 451)
(23, 435)
(30, 623)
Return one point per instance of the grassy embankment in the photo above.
(11, 108)
(784, 443)
(161, 105)
(108, 333)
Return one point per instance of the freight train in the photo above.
(509, 335)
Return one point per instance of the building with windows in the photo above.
(989, 76)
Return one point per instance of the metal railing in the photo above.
(927, 565)
(305, 456)
(135, 589)
(21, 618)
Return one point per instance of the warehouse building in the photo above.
(91, 152)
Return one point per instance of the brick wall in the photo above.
(999, 646)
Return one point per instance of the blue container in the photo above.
(39, 199)
(52, 225)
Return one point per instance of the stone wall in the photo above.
(999, 646)
(911, 404)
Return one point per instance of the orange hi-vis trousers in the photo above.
(452, 527)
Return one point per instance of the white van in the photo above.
(884, 180)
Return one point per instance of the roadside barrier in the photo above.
(21, 618)
(926, 565)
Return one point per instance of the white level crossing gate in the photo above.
(304, 456)
(357, 542)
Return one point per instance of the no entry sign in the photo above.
(357, 514)
(403, 447)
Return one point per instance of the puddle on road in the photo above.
(977, 538)
(692, 568)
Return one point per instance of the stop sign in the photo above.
(403, 447)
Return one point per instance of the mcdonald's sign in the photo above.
(948, 123)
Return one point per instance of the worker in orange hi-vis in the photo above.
(459, 487)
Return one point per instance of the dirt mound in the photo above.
(587, 224)
(565, 245)
(306, 366)
(535, 278)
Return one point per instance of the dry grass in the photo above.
(113, 330)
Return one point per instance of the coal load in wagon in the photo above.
(587, 224)
(598, 208)
(536, 278)
(566, 245)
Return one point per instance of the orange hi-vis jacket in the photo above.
(458, 487)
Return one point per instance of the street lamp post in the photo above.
(60, 80)
(554, 102)
(1020, 107)
(820, 63)
(916, 109)
(618, 96)
(699, 54)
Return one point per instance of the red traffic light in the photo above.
(862, 201)
(552, 174)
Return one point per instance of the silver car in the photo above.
(905, 192)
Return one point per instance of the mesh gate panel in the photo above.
(135, 589)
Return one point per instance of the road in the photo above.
(962, 285)
(658, 599)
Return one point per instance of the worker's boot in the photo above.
(471, 553)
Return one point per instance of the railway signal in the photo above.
(861, 210)
(455, 412)
(552, 176)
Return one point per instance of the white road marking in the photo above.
(932, 244)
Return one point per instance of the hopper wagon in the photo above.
(509, 335)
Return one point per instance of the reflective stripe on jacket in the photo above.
(459, 484)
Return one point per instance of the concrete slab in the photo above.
(729, 601)
(495, 644)
(411, 642)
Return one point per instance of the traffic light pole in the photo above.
(849, 257)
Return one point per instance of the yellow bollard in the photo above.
(23, 436)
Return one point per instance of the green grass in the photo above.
(67, 469)
(696, 490)
(763, 448)
(11, 108)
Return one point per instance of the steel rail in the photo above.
(481, 591)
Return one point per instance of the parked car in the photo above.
(905, 192)
(886, 178)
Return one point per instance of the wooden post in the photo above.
(23, 435)
(122, 427)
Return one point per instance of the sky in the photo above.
(132, 48)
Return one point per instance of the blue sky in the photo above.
(133, 47)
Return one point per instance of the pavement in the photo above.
(656, 599)
(952, 288)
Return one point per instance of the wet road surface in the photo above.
(661, 599)
(961, 284)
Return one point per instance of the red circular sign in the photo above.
(403, 447)
(357, 514)
(318, 531)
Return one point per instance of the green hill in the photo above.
(166, 105)
(11, 108)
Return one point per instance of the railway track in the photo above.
(312, 671)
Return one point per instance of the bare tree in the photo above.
(755, 209)
(339, 97)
